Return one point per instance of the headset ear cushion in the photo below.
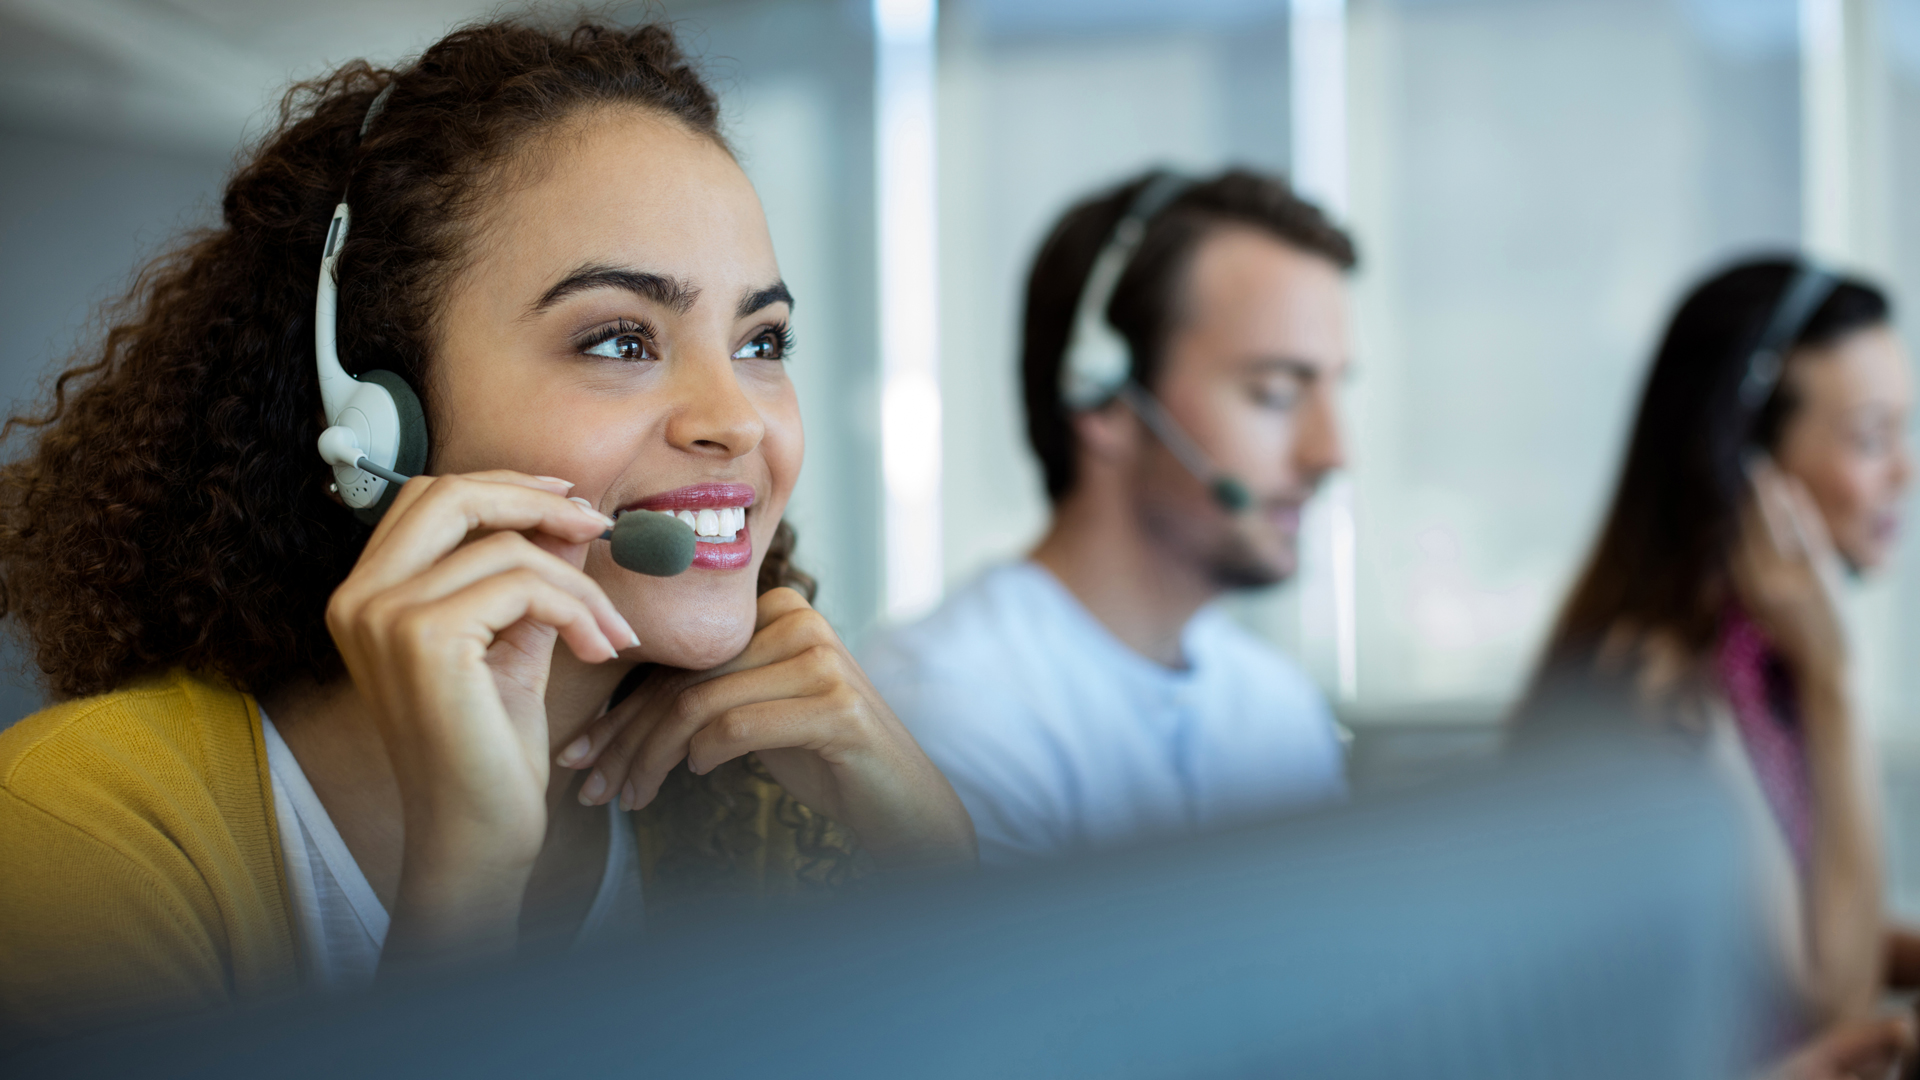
(412, 458)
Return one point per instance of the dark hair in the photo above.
(1661, 562)
(171, 510)
(1146, 301)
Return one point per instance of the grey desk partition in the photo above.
(1580, 917)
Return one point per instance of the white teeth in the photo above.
(719, 525)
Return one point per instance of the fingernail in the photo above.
(626, 796)
(554, 480)
(590, 511)
(595, 786)
(576, 751)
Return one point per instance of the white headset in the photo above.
(377, 434)
(1098, 361)
(1098, 366)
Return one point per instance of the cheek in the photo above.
(512, 424)
(1848, 493)
(1258, 441)
(785, 443)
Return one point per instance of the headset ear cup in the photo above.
(412, 457)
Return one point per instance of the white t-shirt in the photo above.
(1059, 738)
(342, 924)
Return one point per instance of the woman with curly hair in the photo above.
(293, 749)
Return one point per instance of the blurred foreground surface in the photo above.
(1583, 915)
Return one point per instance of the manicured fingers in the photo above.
(643, 754)
(775, 603)
(478, 613)
(450, 508)
(764, 725)
(640, 754)
(502, 552)
(612, 740)
(629, 718)
(411, 492)
(585, 750)
(505, 599)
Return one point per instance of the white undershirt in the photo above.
(342, 924)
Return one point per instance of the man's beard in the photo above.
(1229, 560)
(1234, 564)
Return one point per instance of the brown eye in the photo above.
(623, 347)
(1278, 396)
(767, 345)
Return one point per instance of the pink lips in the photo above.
(730, 556)
(697, 497)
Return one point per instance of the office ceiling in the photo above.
(193, 75)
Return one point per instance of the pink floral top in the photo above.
(1760, 691)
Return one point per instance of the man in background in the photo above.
(1182, 354)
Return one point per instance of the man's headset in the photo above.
(376, 438)
(1098, 366)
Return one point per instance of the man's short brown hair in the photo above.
(1145, 302)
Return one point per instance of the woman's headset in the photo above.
(1098, 366)
(1810, 287)
(376, 437)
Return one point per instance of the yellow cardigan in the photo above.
(141, 872)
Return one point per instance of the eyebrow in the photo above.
(1286, 365)
(663, 289)
(775, 293)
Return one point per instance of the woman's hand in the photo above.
(796, 698)
(1787, 574)
(447, 625)
(1853, 1050)
(1788, 577)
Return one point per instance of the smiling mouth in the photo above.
(717, 526)
(717, 514)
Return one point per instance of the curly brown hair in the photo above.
(171, 510)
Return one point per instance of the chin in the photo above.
(698, 620)
(695, 643)
(1243, 567)
(1863, 558)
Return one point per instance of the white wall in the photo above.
(1536, 181)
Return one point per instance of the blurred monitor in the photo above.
(1583, 916)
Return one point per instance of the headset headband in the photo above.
(1810, 287)
(374, 110)
(1098, 361)
(376, 435)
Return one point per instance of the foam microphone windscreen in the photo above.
(652, 543)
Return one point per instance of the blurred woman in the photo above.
(1767, 460)
(296, 750)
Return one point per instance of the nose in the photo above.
(1319, 444)
(710, 414)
